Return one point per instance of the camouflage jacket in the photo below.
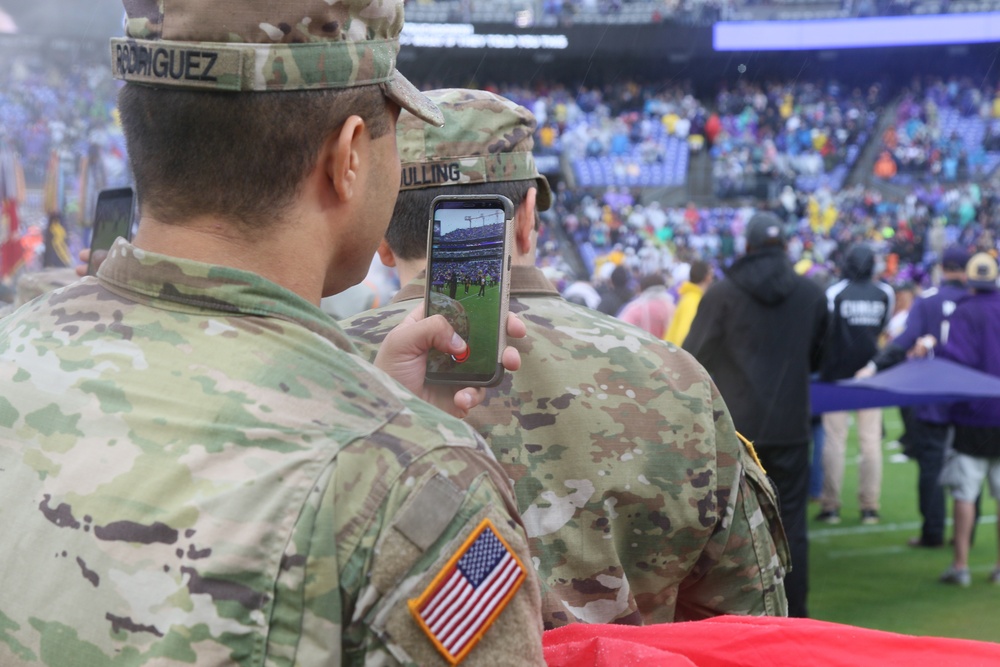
(36, 283)
(197, 468)
(641, 503)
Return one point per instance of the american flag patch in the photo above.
(469, 592)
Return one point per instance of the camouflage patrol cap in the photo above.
(266, 45)
(485, 139)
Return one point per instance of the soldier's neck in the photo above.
(215, 241)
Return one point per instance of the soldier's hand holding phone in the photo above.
(404, 352)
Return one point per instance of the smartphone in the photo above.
(113, 217)
(469, 242)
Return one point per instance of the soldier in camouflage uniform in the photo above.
(642, 504)
(33, 284)
(196, 467)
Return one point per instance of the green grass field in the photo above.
(484, 326)
(867, 576)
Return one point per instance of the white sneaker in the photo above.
(957, 577)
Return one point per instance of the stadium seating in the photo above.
(942, 135)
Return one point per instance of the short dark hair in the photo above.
(240, 156)
(620, 276)
(651, 280)
(699, 271)
(407, 232)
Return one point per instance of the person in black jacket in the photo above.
(860, 309)
(760, 333)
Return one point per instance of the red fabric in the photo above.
(11, 251)
(743, 641)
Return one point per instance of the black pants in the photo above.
(788, 467)
(927, 442)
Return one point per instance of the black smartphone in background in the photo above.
(113, 217)
(468, 282)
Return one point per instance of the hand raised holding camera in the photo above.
(403, 355)
(469, 246)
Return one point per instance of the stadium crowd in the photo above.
(944, 130)
(799, 138)
(466, 273)
(908, 232)
(46, 108)
(694, 12)
(805, 230)
(802, 136)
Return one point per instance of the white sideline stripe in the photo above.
(854, 553)
(863, 553)
(835, 531)
(471, 295)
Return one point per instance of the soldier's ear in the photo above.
(386, 254)
(524, 222)
(343, 157)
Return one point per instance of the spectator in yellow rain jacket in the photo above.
(690, 296)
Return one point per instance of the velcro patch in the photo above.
(469, 592)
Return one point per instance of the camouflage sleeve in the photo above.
(434, 522)
(367, 330)
(742, 569)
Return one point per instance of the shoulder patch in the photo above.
(469, 592)
(751, 450)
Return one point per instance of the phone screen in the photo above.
(466, 283)
(112, 218)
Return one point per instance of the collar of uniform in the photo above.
(412, 290)
(524, 281)
(171, 283)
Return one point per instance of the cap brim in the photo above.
(406, 95)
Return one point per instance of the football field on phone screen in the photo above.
(482, 312)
